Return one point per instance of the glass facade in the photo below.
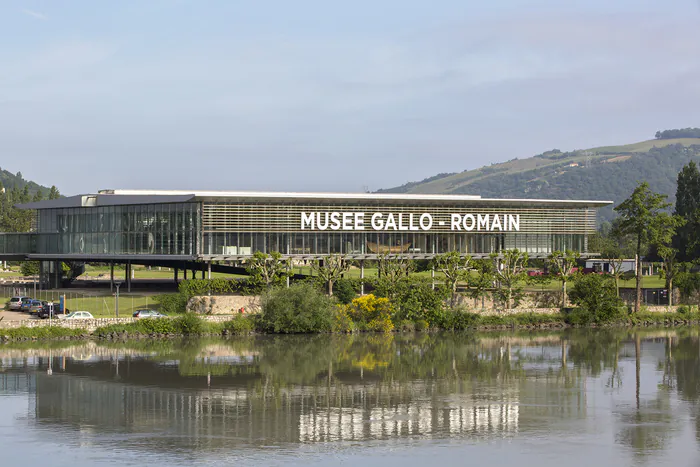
(142, 229)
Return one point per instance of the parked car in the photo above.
(26, 303)
(148, 314)
(35, 306)
(77, 315)
(15, 303)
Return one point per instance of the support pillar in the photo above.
(362, 277)
(128, 276)
(202, 271)
(432, 277)
(111, 276)
(289, 266)
(175, 272)
(184, 273)
(209, 270)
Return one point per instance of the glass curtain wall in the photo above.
(368, 243)
(146, 229)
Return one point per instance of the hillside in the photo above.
(10, 181)
(604, 173)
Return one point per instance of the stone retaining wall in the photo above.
(87, 324)
(224, 304)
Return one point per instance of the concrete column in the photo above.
(175, 271)
(111, 276)
(362, 276)
(128, 276)
(209, 270)
(432, 277)
(184, 273)
(289, 267)
(203, 271)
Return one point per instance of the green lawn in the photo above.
(101, 306)
(141, 272)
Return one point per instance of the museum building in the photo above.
(205, 226)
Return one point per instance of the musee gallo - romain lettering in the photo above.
(352, 221)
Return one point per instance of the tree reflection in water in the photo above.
(210, 394)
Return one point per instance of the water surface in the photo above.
(574, 398)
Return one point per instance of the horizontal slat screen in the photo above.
(287, 218)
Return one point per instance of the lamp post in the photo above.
(116, 301)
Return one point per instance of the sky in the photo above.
(312, 95)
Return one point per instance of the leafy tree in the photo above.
(509, 272)
(267, 269)
(330, 269)
(642, 216)
(54, 193)
(482, 281)
(687, 239)
(670, 268)
(455, 268)
(563, 265)
(301, 308)
(29, 268)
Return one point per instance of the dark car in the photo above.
(26, 303)
(36, 306)
(49, 310)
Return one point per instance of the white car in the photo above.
(77, 315)
(15, 303)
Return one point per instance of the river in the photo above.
(573, 398)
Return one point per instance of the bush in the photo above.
(301, 308)
(188, 324)
(239, 325)
(42, 332)
(172, 303)
(342, 322)
(344, 290)
(422, 325)
(596, 295)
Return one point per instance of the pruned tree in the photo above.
(509, 271)
(481, 281)
(563, 265)
(330, 269)
(455, 268)
(267, 269)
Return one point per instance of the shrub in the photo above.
(239, 325)
(596, 295)
(342, 322)
(406, 326)
(188, 324)
(41, 332)
(422, 325)
(344, 290)
(172, 303)
(301, 308)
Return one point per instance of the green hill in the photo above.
(604, 173)
(10, 181)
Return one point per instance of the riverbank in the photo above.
(190, 324)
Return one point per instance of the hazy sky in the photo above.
(324, 95)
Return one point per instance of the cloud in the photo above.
(35, 14)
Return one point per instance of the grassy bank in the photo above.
(194, 326)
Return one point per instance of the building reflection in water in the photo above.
(308, 390)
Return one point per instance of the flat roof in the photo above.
(121, 197)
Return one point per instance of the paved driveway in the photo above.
(13, 316)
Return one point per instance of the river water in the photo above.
(573, 398)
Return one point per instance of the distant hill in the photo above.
(604, 173)
(10, 181)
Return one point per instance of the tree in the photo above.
(455, 268)
(642, 216)
(267, 269)
(29, 268)
(54, 193)
(687, 239)
(330, 269)
(670, 268)
(563, 265)
(509, 271)
(481, 282)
